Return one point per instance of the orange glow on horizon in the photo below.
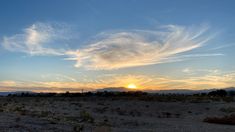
(131, 86)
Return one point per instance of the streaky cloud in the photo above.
(212, 78)
(122, 49)
(36, 39)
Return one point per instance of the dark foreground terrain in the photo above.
(138, 113)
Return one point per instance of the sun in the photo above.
(132, 86)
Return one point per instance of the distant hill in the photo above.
(115, 89)
(14, 92)
(123, 89)
(188, 91)
(177, 91)
(5, 93)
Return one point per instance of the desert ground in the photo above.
(109, 114)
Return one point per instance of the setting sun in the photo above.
(131, 86)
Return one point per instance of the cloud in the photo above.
(192, 71)
(187, 70)
(58, 77)
(72, 85)
(114, 50)
(211, 79)
(216, 80)
(36, 39)
(7, 83)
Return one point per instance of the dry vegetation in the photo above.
(105, 112)
(229, 120)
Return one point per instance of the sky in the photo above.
(60, 45)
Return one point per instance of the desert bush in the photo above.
(120, 111)
(228, 99)
(177, 115)
(220, 93)
(76, 104)
(17, 119)
(20, 110)
(231, 93)
(207, 108)
(1, 108)
(134, 113)
(190, 112)
(78, 128)
(101, 110)
(228, 110)
(86, 117)
(45, 113)
(23, 112)
(229, 120)
(102, 129)
(165, 115)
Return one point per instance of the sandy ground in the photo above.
(98, 114)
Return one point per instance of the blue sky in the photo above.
(155, 44)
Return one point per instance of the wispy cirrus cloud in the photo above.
(58, 77)
(192, 71)
(144, 82)
(7, 83)
(113, 50)
(36, 39)
(123, 49)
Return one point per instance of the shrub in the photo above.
(103, 129)
(228, 99)
(220, 93)
(45, 113)
(229, 120)
(17, 119)
(231, 93)
(228, 110)
(86, 117)
(78, 128)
